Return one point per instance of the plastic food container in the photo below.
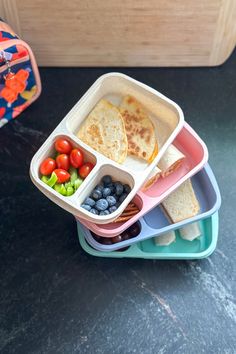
(181, 249)
(156, 223)
(195, 150)
(166, 115)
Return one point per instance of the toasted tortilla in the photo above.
(171, 160)
(139, 128)
(104, 131)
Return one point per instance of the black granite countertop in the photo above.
(54, 298)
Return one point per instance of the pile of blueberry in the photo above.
(106, 197)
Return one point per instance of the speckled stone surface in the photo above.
(54, 298)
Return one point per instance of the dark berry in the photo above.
(119, 188)
(112, 209)
(86, 207)
(96, 194)
(127, 188)
(97, 237)
(106, 191)
(94, 211)
(99, 187)
(101, 204)
(122, 197)
(106, 179)
(116, 239)
(125, 235)
(89, 201)
(112, 187)
(134, 230)
(105, 241)
(118, 204)
(104, 212)
(111, 200)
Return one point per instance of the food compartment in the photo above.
(165, 114)
(118, 242)
(156, 223)
(109, 183)
(195, 152)
(188, 142)
(181, 249)
(156, 218)
(196, 246)
(115, 226)
(132, 232)
(63, 165)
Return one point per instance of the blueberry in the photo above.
(104, 212)
(112, 187)
(119, 188)
(106, 179)
(118, 204)
(89, 201)
(111, 200)
(99, 187)
(94, 211)
(106, 191)
(101, 204)
(96, 194)
(112, 209)
(127, 188)
(134, 230)
(122, 197)
(86, 207)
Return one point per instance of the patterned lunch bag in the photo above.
(20, 83)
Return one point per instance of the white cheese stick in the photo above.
(170, 161)
(165, 239)
(190, 231)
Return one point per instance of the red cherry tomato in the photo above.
(47, 166)
(63, 146)
(85, 170)
(76, 158)
(62, 175)
(63, 161)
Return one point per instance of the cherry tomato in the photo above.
(76, 158)
(63, 161)
(47, 166)
(63, 146)
(62, 175)
(85, 170)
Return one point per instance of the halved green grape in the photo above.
(60, 188)
(44, 179)
(69, 191)
(68, 184)
(52, 180)
(73, 175)
(77, 183)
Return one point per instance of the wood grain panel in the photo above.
(125, 33)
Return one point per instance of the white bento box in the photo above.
(166, 115)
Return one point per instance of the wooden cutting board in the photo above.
(125, 33)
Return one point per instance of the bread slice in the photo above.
(182, 203)
(104, 131)
(140, 129)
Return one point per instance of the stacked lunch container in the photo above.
(101, 235)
